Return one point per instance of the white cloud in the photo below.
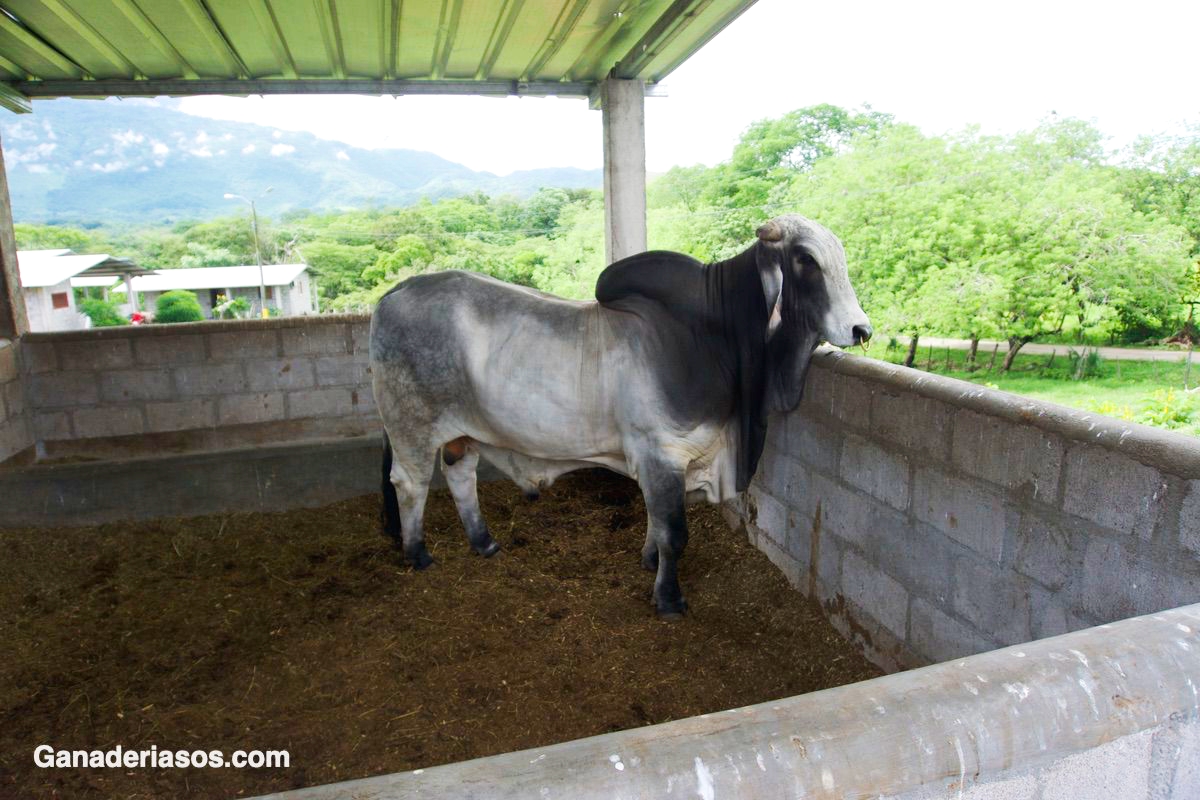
(38, 168)
(126, 138)
(248, 149)
(160, 149)
(282, 149)
(341, 156)
(201, 137)
(111, 166)
(201, 152)
(277, 135)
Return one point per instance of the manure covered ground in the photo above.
(301, 631)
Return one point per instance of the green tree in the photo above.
(178, 306)
(102, 313)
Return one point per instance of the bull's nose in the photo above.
(861, 333)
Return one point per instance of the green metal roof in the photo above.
(102, 48)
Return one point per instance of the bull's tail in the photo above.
(389, 515)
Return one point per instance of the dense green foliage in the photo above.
(102, 313)
(178, 306)
(1038, 235)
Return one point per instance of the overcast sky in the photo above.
(1130, 67)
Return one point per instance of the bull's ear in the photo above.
(770, 232)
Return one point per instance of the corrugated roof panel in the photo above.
(477, 20)
(206, 46)
(59, 26)
(250, 30)
(127, 29)
(194, 34)
(218, 277)
(418, 34)
(366, 29)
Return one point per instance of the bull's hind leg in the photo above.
(460, 458)
(406, 475)
(663, 487)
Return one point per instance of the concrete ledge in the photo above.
(208, 326)
(1106, 712)
(1170, 452)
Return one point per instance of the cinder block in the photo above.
(919, 424)
(937, 636)
(127, 385)
(15, 436)
(769, 515)
(14, 397)
(784, 562)
(95, 354)
(243, 345)
(265, 375)
(209, 379)
(842, 397)
(63, 389)
(920, 557)
(816, 443)
(343, 371)
(1012, 456)
(180, 416)
(52, 425)
(853, 517)
(1049, 550)
(320, 403)
(1189, 518)
(1119, 583)
(360, 337)
(783, 476)
(1113, 490)
(92, 423)
(39, 357)
(8, 362)
(316, 339)
(364, 402)
(243, 409)
(875, 593)
(973, 516)
(993, 600)
(879, 473)
(157, 351)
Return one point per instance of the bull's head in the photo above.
(808, 291)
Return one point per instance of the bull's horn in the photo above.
(770, 232)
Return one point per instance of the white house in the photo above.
(47, 280)
(289, 287)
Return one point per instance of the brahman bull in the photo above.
(667, 378)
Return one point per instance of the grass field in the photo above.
(1150, 392)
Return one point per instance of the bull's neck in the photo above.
(734, 293)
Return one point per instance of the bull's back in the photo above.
(508, 365)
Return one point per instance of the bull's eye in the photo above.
(805, 260)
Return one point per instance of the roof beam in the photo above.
(148, 29)
(594, 48)
(670, 25)
(183, 88)
(13, 100)
(270, 26)
(563, 27)
(203, 19)
(446, 33)
(332, 36)
(89, 34)
(500, 34)
(38, 48)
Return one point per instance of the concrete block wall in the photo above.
(935, 519)
(16, 434)
(199, 386)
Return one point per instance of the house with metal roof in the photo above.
(48, 278)
(289, 288)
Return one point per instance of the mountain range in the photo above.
(92, 162)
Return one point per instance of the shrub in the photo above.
(102, 313)
(178, 306)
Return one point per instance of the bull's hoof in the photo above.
(419, 559)
(671, 611)
(487, 550)
(650, 561)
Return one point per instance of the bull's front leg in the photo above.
(663, 487)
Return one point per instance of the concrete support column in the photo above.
(622, 104)
(13, 319)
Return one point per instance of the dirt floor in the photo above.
(301, 631)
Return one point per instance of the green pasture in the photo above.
(1149, 392)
